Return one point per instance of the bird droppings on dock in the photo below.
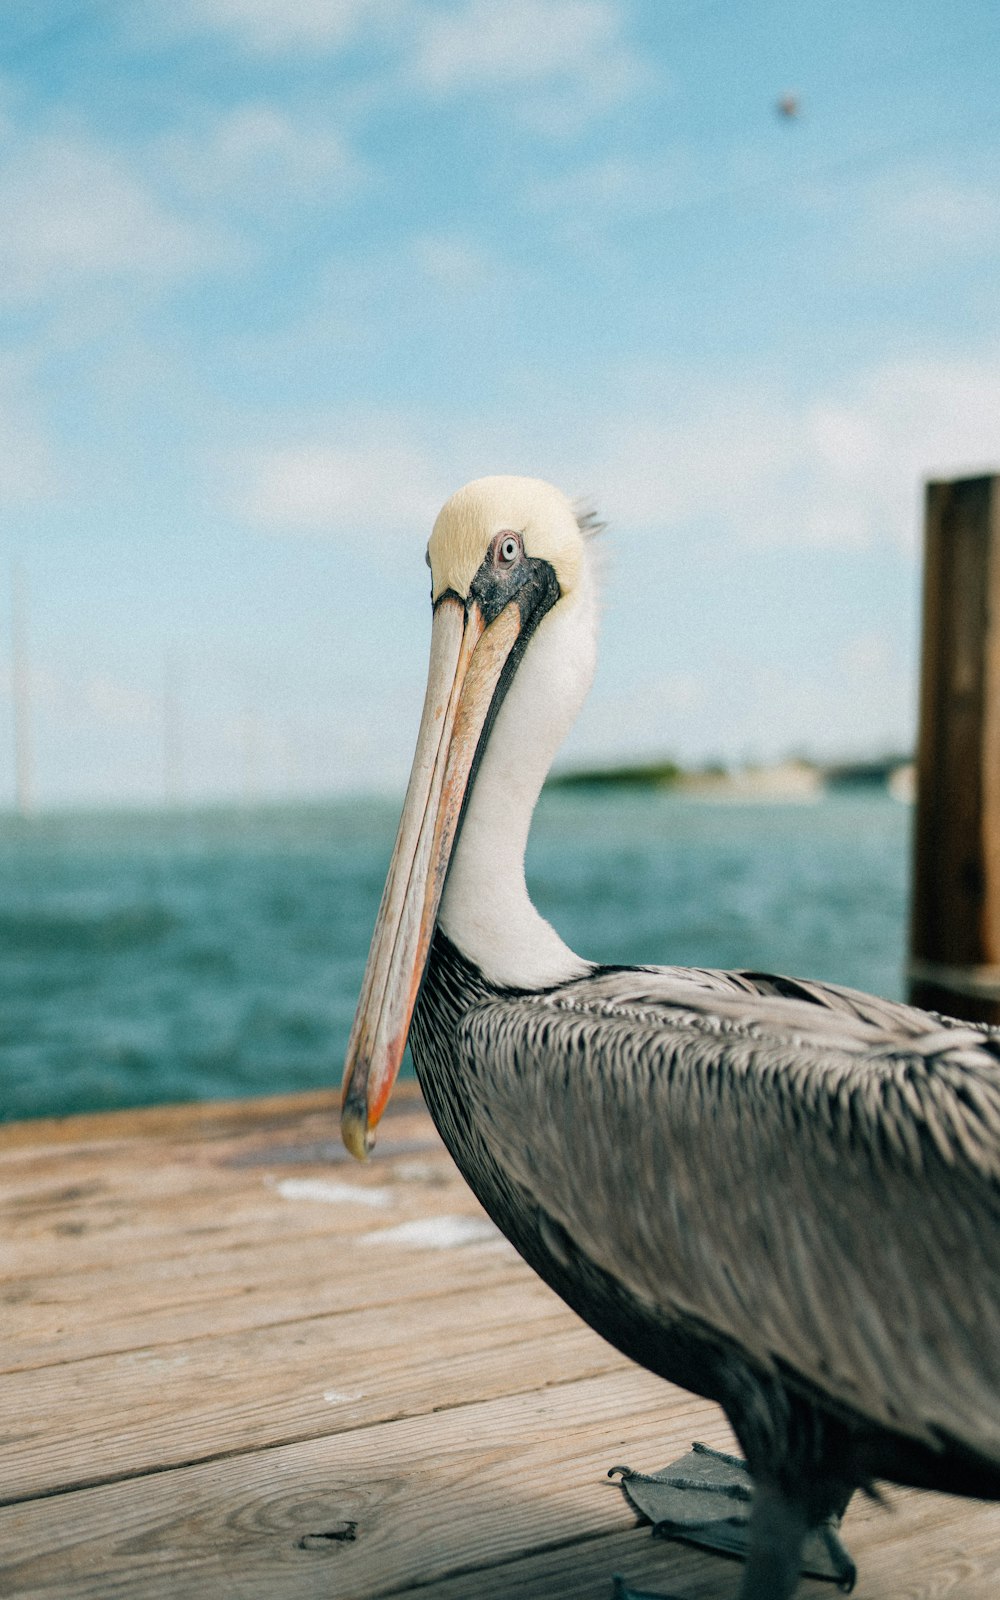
(437, 1233)
(329, 1193)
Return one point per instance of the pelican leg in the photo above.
(777, 1534)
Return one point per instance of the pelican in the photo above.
(782, 1195)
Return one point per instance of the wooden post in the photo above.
(955, 931)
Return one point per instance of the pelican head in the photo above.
(509, 570)
(533, 512)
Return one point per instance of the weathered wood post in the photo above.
(955, 929)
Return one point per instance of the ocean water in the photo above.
(148, 958)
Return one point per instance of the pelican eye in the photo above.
(508, 549)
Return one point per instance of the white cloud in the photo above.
(840, 711)
(557, 62)
(452, 262)
(331, 489)
(908, 219)
(74, 212)
(272, 27)
(925, 206)
(567, 59)
(521, 41)
(840, 470)
(28, 471)
(865, 655)
(616, 186)
(255, 156)
(98, 698)
(859, 702)
(900, 222)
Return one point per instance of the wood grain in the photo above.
(955, 926)
(212, 1385)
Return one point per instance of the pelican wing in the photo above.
(810, 1172)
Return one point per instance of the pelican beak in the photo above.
(468, 657)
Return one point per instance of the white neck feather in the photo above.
(485, 909)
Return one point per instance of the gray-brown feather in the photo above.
(811, 1173)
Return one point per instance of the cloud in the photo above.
(924, 206)
(317, 488)
(98, 698)
(275, 27)
(858, 701)
(28, 471)
(862, 700)
(571, 56)
(255, 157)
(908, 220)
(841, 469)
(452, 262)
(80, 215)
(616, 186)
(75, 212)
(522, 41)
(901, 222)
(564, 60)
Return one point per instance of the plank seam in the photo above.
(516, 1271)
(59, 1490)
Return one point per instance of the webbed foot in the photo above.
(705, 1498)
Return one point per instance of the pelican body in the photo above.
(781, 1195)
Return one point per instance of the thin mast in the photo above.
(21, 689)
(173, 756)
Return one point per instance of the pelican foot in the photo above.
(705, 1499)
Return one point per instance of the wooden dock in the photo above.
(236, 1365)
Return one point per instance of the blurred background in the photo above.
(276, 276)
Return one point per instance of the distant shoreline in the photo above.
(795, 779)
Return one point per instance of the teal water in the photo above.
(149, 958)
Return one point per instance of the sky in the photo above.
(276, 278)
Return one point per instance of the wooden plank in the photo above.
(85, 1422)
(440, 1502)
(188, 1124)
(136, 1230)
(155, 1199)
(428, 1497)
(76, 1316)
(174, 1274)
(287, 1128)
(70, 1161)
(238, 1373)
(923, 1547)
